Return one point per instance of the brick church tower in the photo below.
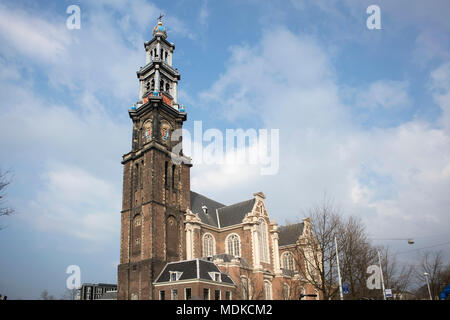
(156, 184)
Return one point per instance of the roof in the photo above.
(289, 234)
(226, 257)
(110, 295)
(234, 214)
(192, 269)
(219, 215)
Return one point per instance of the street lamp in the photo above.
(426, 274)
(382, 279)
(339, 270)
(410, 241)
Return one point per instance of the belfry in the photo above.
(155, 187)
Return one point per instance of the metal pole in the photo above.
(428, 285)
(382, 279)
(339, 270)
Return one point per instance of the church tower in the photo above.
(156, 181)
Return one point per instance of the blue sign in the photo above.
(345, 289)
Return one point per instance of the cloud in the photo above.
(32, 36)
(204, 13)
(75, 202)
(384, 94)
(392, 177)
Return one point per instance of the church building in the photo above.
(179, 244)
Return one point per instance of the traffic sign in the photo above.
(345, 288)
(388, 293)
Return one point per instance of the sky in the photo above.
(363, 117)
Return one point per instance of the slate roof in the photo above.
(191, 270)
(218, 214)
(197, 201)
(289, 234)
(234, 214)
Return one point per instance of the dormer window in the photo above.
(174, 275)
(216, 276)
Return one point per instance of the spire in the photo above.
(159, 29)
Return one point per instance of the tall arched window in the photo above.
(136, 234)
(263, 243)
(267, 290)
(245, 288)
(233, 245)
(286, 291)
(208, 245)
(287, 261)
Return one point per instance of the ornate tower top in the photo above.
(158, 78)
(159, 29)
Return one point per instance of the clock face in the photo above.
(165, 131)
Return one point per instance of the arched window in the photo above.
(262, 239)
(172, 236)
(208, 245)
(267, 290)
(152, 84)
(167, 87)
(161, 85)
(245, 288)
(286, 292)
(233, 245)
(136, 234)
(287, 261)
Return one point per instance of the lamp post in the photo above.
(381, 273)
(426, 274)
(410, 241)
(339, 270)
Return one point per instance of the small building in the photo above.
(91, 291)
(197, 279)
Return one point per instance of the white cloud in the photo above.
(75, 202)
(32, 36)
(385, 94)
(394, 178)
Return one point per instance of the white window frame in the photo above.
(267, 289)
(284, 256)
(213, 245)
(209, 292)
(263, 241)
(171, 293)
(185, 294)
(233, 246)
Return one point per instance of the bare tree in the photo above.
(4, 182)
(46, 296)
(396, 277)
(69, 294)
(316, 254)
(438, 272)
(355, 255)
